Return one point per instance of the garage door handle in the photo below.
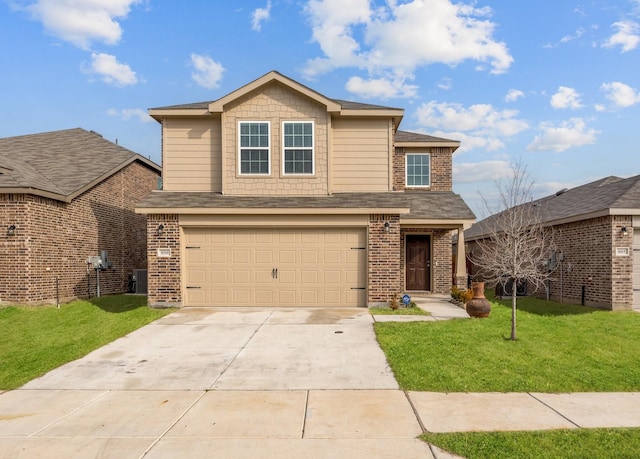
(189, 286)
(274, 273)
(358, 288)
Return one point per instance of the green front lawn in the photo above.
(552, 444)
(36, 340)
(408, 311)
(560, 348)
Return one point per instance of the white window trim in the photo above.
(313, 148)
(406, 170)
(239, 153)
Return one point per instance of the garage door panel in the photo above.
(309, 277)
(287, 276)
(275, 267)
(264, 297)
(196, 276)
(241, 256)
(264, 256)
(217, 276)
(287, 297)
(309, 257)
(286, 256)
(308, 297)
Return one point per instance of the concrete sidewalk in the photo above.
(264, 383)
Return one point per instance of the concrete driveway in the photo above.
(236, 349)
(228, 383)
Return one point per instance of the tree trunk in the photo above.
(514, 302)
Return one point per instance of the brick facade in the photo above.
(590, 261)
(53, 239)
(384, 270)
(163, 281)
(441, 167)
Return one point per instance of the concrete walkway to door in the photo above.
(263, 383)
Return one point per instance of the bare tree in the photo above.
(515, 246)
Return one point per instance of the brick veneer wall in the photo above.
(53, 239)
(589, 260)
(164, 285)
(384, 265)
(441, 167)
(441, 262)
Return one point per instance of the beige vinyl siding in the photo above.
(360, 155)
(192, 154)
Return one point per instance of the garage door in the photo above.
(275, 267)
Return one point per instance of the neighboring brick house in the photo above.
(597, 235)
(66, 196)
(276, 195)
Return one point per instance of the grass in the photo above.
(560, 444)
(560, 348)
(38, 339)
(410, 311)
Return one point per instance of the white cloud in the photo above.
(621, 94)
(476, 119)
(480, 172)
(569, 134)
(127, 113)
(259, 16)
(627, 36)
(567, 38)
(399, 37)
(111, 71)
(207, 72)
(566, 98)
(380, 88)
(445, 84)
(513, 95)
(81, 22)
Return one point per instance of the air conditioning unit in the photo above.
(140, 276)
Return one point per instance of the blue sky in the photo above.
(553, 84)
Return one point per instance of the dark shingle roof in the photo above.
(61, 163)
(345, 104)
(431, 205)
(585, 201)
(405, 136)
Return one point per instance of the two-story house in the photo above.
(276, 195)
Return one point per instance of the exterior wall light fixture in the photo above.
(624, 231)
(11, 230)
(160, 229)
(387, 227)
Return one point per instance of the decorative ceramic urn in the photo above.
(478, 305)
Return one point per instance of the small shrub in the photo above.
(461, 296)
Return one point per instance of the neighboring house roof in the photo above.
(61, 164)
(607, 196)
(419, 206)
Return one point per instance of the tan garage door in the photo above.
(275, 267)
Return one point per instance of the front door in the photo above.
(418, 262)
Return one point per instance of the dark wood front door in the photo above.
(418, 262)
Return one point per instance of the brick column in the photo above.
(164, 287)
(384, 273)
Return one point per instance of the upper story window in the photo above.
(254, 147)
(418, 169)
(298, 147)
